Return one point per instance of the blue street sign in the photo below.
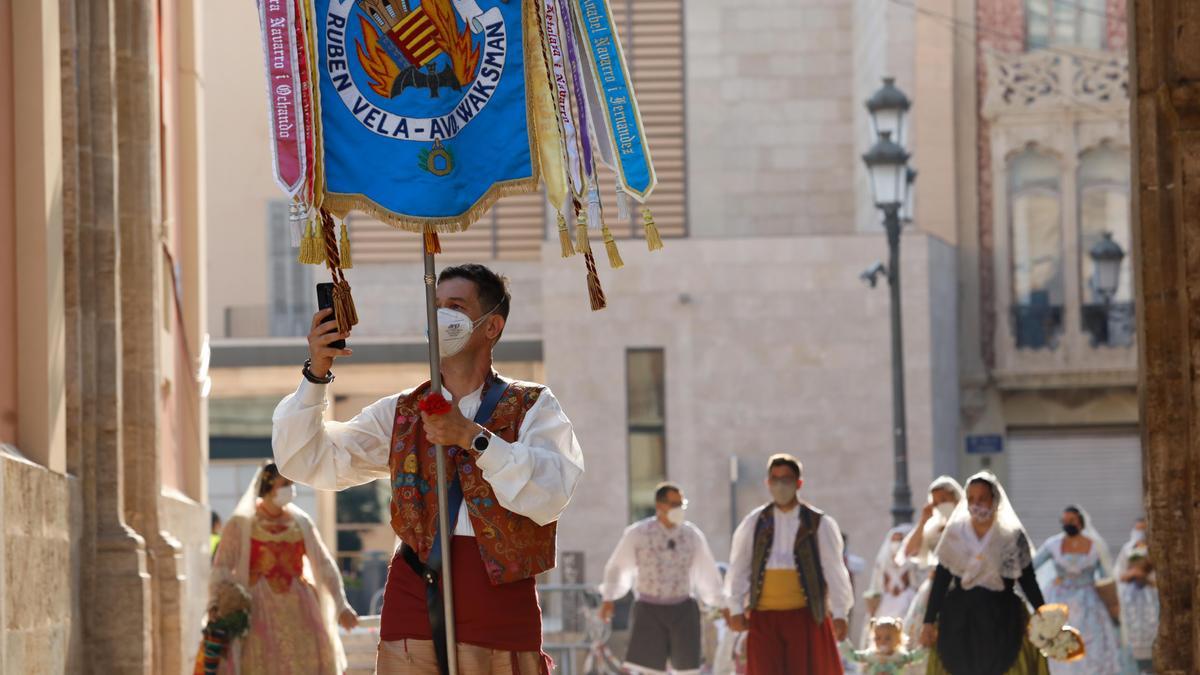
(989, 444)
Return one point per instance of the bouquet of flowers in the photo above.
(229, 620)
(1049, 632)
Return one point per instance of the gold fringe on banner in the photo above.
(433, 243)
(610, 245)
(595, 292)
(564, 237)
(653, 241)
(344, 259)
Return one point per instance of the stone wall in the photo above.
(42, 633)
(771, 344)
(189, 523)
(770, 127)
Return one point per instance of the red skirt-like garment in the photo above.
(791, 642)
(505, 617)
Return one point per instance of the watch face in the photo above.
(481, 443)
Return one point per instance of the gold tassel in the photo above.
(610, 245)
(433, 244)
(582, 243)
(346, 262)
(305, 254)
(564, 237)
(343, 304)
(653, 241)
(595, 292)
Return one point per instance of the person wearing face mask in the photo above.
(1080, 559)
(295, 610)
(1138, 590)
(673, 567)
(944, 495)
(975, 623)
(894, 579)
(515, 463)
(787, 582)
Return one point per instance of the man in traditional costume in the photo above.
(787, 581)
(672, 564)
(515, 463)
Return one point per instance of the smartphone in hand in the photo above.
(325, 301)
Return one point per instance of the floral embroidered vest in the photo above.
(512, 546)
(805, 551)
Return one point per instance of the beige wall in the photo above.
(771, 344)
(770, 127)
(237, 172)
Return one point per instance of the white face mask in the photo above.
(783, 493)
(946, 509)
(454, 330)
(675, 515)
(284, 496)
(1137, 535)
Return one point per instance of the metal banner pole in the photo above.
(444, 524)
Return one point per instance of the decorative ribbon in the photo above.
(277, 20)
(555, 37)
(617, 101)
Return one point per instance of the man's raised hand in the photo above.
(324, 331)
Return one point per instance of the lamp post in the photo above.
(1106, 258)
(1106, 272)
(891, 184)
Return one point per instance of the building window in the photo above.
(1104, 207)
(293, 293)
(647, 428)
(1037, 265)
(1065, 23)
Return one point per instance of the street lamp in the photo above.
(888, 107)
(1106, 275)
(891, 188)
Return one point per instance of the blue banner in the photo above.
(424, 120)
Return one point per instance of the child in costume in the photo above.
(888, 653)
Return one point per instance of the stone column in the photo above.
(142, 288)
(116, 588)
(1165, 53)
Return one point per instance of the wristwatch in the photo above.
(308, 374)
(480, 444)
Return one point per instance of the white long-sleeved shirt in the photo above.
(668, 564)
(534, 477)
(787, 524)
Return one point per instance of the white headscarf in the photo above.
(931, 534)
(1003, 553)
(1099, 546)
(319, 567)
(884, 560)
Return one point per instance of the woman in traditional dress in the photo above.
(944, 495)
(1139, 601)
(295, 607)
(1080, 559)
(975, 617)
(894, 580)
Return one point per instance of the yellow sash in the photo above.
(782, 591)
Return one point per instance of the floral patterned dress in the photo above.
(1074, 585)
(287, 632)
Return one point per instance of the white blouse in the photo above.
(534, 477)
(668, 564)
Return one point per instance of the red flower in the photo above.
(434, 404)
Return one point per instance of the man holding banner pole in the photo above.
(512, 463)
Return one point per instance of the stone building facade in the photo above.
(1048, 367)
(104, 547)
